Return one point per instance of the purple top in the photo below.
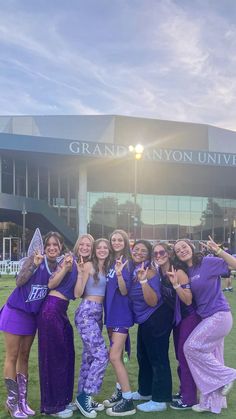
(29, 297)
(67, 285)
(141, 310)
(117, 307)
(206, 286)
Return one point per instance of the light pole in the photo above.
(24, 213)
(137, 151)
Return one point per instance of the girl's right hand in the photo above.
(38, 258)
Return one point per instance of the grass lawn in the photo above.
(7, 284)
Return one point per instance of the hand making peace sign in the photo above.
(120, 265)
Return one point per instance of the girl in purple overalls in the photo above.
(18, 321)
(118, 319)
(91, 286)
(204, 348)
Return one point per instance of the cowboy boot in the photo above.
(12, 404)
(22, 381)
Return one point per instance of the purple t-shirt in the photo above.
(29, 297)
(67, 285)
(206, 286)
(117, 307)
(141, 310)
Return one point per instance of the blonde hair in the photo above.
(79, 240)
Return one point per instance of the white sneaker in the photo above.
(227, 388)
(199, 409)
(137, 396)
(72, 406)
(152, 407)
(63, 414)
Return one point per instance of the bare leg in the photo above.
(12, 346)
(23, 355)
(116, 351)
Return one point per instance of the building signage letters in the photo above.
(209, 158)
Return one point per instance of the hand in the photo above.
(119, 266)
(142, 273)
(38, 258)
(172, 275)
(80, 265)
(211, 245)
(67, 262)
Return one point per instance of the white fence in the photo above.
(9, 267)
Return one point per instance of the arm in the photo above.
(28, 268)
(121, 282)
(229, 259)
(178, 279)
(149, 294)
(61, 271)
(84, 270)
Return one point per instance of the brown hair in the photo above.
(95, 259)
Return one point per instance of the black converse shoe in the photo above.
(176, 396)
(179, 405)
(97, 406)
(83, 402)
(115, 398)
(125, 407)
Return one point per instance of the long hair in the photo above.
(79, 240)
(95, 260)
(126, 251)
(59, 239)
(196, 256)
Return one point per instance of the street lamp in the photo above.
(24, 213)
(137, 151)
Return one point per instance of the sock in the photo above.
(118, 386)
(127, 395)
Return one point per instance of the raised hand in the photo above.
(38, 258)
(211, 245)
(172, 275)
(80, 265)
(142, 273)
(119, 266)
(67, 262)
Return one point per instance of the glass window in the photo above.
(172, 203)
(7, 175)
(43, 183)
(32, 181)
(184, 203)
(20, 177)
(160, 203)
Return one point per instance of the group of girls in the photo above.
(159, 288)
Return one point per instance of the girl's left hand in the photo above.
(172, 275)
(211, 245)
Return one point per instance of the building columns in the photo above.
(82, 201)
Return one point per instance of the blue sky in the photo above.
(164, 59)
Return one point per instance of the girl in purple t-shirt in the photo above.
(18, 321)
(118, 319)
(204, 349)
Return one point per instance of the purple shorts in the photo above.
(17, 322)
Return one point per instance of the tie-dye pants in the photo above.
(88, 321)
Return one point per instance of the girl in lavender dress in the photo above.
(18, 321)
(204, 348)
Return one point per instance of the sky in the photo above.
(161, 59)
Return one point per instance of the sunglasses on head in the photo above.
(161, 253)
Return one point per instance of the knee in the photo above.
(114, 358)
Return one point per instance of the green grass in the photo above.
(7, 284)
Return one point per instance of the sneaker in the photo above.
(66, 413)
(125, 407)
(225, 289)
(72, 406)
(115, 398)
(137, 396)
(199, 409)
(98, 407)
(84, 403)
(179, 405)
(231, 289)
(176, 396)
(152, 406)
(227, 388)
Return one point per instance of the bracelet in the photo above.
(144, 281)
(218, 252)
(176, 286)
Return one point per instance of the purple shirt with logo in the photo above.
(206, 286)
(29, 297)
(142, 311)
(117, 307)
(67, 285)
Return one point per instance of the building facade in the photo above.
(75, 174)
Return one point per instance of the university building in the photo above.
(75, 174)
